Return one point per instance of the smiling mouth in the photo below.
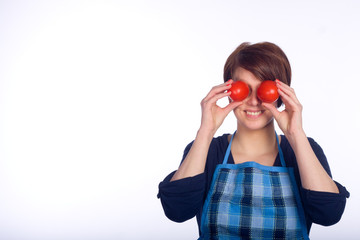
(252, 113)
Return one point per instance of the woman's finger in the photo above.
(274, 111)
(287, 90)
(288, 100)
(219, 96)
(231, 106)
(218, 89)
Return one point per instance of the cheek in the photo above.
(237, 112)
(268, 115)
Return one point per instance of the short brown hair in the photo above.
(265, 60)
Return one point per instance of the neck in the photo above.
(255, 142)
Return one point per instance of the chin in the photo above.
(255, 127)
(255, 124)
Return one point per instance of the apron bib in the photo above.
(253, 201)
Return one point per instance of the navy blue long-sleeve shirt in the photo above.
(183, 199)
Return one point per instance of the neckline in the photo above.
(279, 157)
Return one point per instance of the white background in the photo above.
(99, 98)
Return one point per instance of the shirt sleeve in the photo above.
(324, 208)
(182, 199)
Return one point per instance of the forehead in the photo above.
(241, 74)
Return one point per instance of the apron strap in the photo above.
(228, 149)
(281, 155)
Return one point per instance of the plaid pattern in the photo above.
(251, 201)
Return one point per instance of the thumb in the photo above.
(272, 109)
(231, 106)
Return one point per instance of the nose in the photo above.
(253, 99)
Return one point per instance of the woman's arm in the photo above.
(195, 161)
(182, 200)
(211, 119)
(324, 208)
(313, 175)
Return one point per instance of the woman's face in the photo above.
(251, 114)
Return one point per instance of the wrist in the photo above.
(295, 133)
(205, 133)
(296, 138)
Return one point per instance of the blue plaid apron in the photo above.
(253, 201)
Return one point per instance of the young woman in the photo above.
(253, 184)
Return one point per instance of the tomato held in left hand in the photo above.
(268, 92)
(239, 91)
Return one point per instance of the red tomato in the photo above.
(267, 91)
(239, 91)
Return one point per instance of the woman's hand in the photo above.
(290, 119)
(213, 115)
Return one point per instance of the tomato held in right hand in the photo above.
(239, 91)
(268, 92)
